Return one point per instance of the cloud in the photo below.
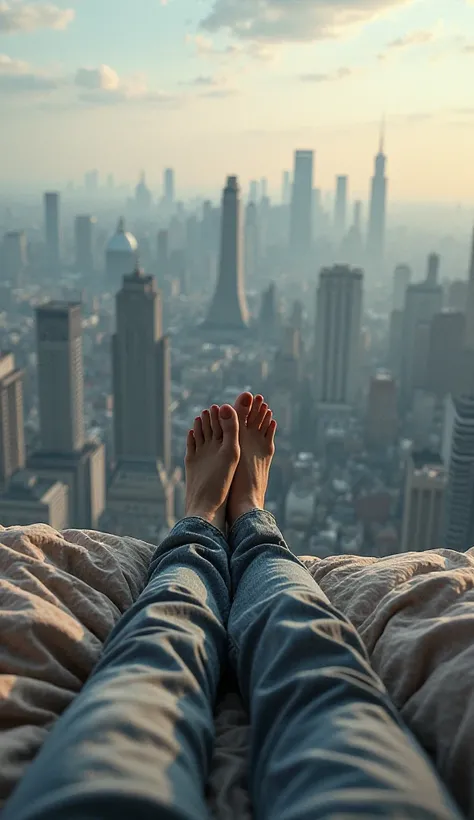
(283, 21)
(415, 38)
(102, 78)
(103, 86)
(253, 50)
(329, 76)
(18, 16)
(19, 76)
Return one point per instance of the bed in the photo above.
(61, 594)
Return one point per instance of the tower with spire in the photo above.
(228, 314)
(378, 208)
(121, 256)
(143, 197)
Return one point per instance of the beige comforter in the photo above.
(60, 595)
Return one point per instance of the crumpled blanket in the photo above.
(61, 594)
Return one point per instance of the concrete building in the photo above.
(445, 371)
(382, 413)
(33, 500)
(52, 230)
(423, 301)
(301, 216)
(377, 210)
(401, 280)
(84, 241)
(340, 207)
(433, 266)
(140, 500)
(337, 337)
(228, 314)
(14, 257)
(12, 444)
(425, 490)
(141, 374)
(121, 256)
(458, 457)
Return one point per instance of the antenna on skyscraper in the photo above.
(383, 128)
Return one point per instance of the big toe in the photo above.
(243, 406)
(230, 424)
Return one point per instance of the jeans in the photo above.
(326, 742)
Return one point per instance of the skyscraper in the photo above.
(286, 188)
(168, 187)
(252, 246)
(401, 280)
(425, 490)
(301, 216)
(253, 191)
(377, 209)
(445, 371)
(15, 257)
(121, 256)
(458, 457)
(141, 374)
(470, 301)
(337, 338)
(432, 272)
(51, 228)
(143, 197)
(84, 243)
(65, 455)
(228, 314)
(382, 415)
(12, 445)
(422, 302)
(340, 207)
(60, 377)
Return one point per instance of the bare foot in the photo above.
(211, 460)
(257, 448)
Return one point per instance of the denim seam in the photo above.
(202, 521)
(247, 515)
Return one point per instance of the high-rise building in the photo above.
(340, 207)
(30, 499)
(445, 370)
(458, 457)
(91, 181)
(169, 187)
(338, 332)
(470, 301)
(162, 255)
(458, 295)
(65, 455)
(12, 444)
(252, 245)
(301, 216)
(143, 197)
(377, 209)
(15, 257)
(51, 228)
(141, 374)
(425, 490)
(121, 256)
(228, 314)
(286, 188)
(84, 235)
(433, 266)
(401, 280)
(263, 188)
(253, 191)
(382, 413)
(422, 302)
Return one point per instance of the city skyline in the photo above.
(298, 76)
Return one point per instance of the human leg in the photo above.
(137, 741)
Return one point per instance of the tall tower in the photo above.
(252, 244)
(301, 216)
(51, 229)
(12, 445)
(340, 207)
(228, 315)
(121, 257)
(168, 187)
(470, 301)
(141, 374)
(60, 377)
(458, 457)
(286, 188)
(378, 207)
(432, 271)
(422, 302)
(15, 257)
(337, 338)
(84, 243)
(425, 490)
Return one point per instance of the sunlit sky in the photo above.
(234, 86)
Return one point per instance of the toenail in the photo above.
(246, 400)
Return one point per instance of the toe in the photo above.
(206, 425)
(198, 433)
(190, 445)
(267, 419)
(215, 423)
(230, 425)
(270, 434)
(261, 415)
(243, 406)
(257, 403)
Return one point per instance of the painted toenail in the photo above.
(226, 412)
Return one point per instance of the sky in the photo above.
(216, 87)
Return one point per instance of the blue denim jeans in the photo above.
(326, 741)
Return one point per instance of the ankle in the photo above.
(242, 507)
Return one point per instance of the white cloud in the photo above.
(18, 16)
(280, 21)
(414, 38)
(328, 76)
(205, 48)
(103, 78)
(103, 86)
(19, 76)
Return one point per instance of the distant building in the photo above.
(84, 235)
(252, 246)
(12, 444)
(33, 500)
(337, 338)
(140, 501)
(162, 256)
(378, 210)
(168, 188)
(286, 188)
(458, 457)
(401, 279)
(143, 197)
(423, 301)
(382, 413)
(301, 217)
(469, 341)
(425, 490)
(445, 370)
(14, 257)
(458, 294)
(121, 255)
(228, 314)
(395, 342)
(340, 207)
(432, 272)
(52, 230)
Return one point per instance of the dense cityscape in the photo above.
(116, 331)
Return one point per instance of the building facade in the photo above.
(425, 491)
(12, 443)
